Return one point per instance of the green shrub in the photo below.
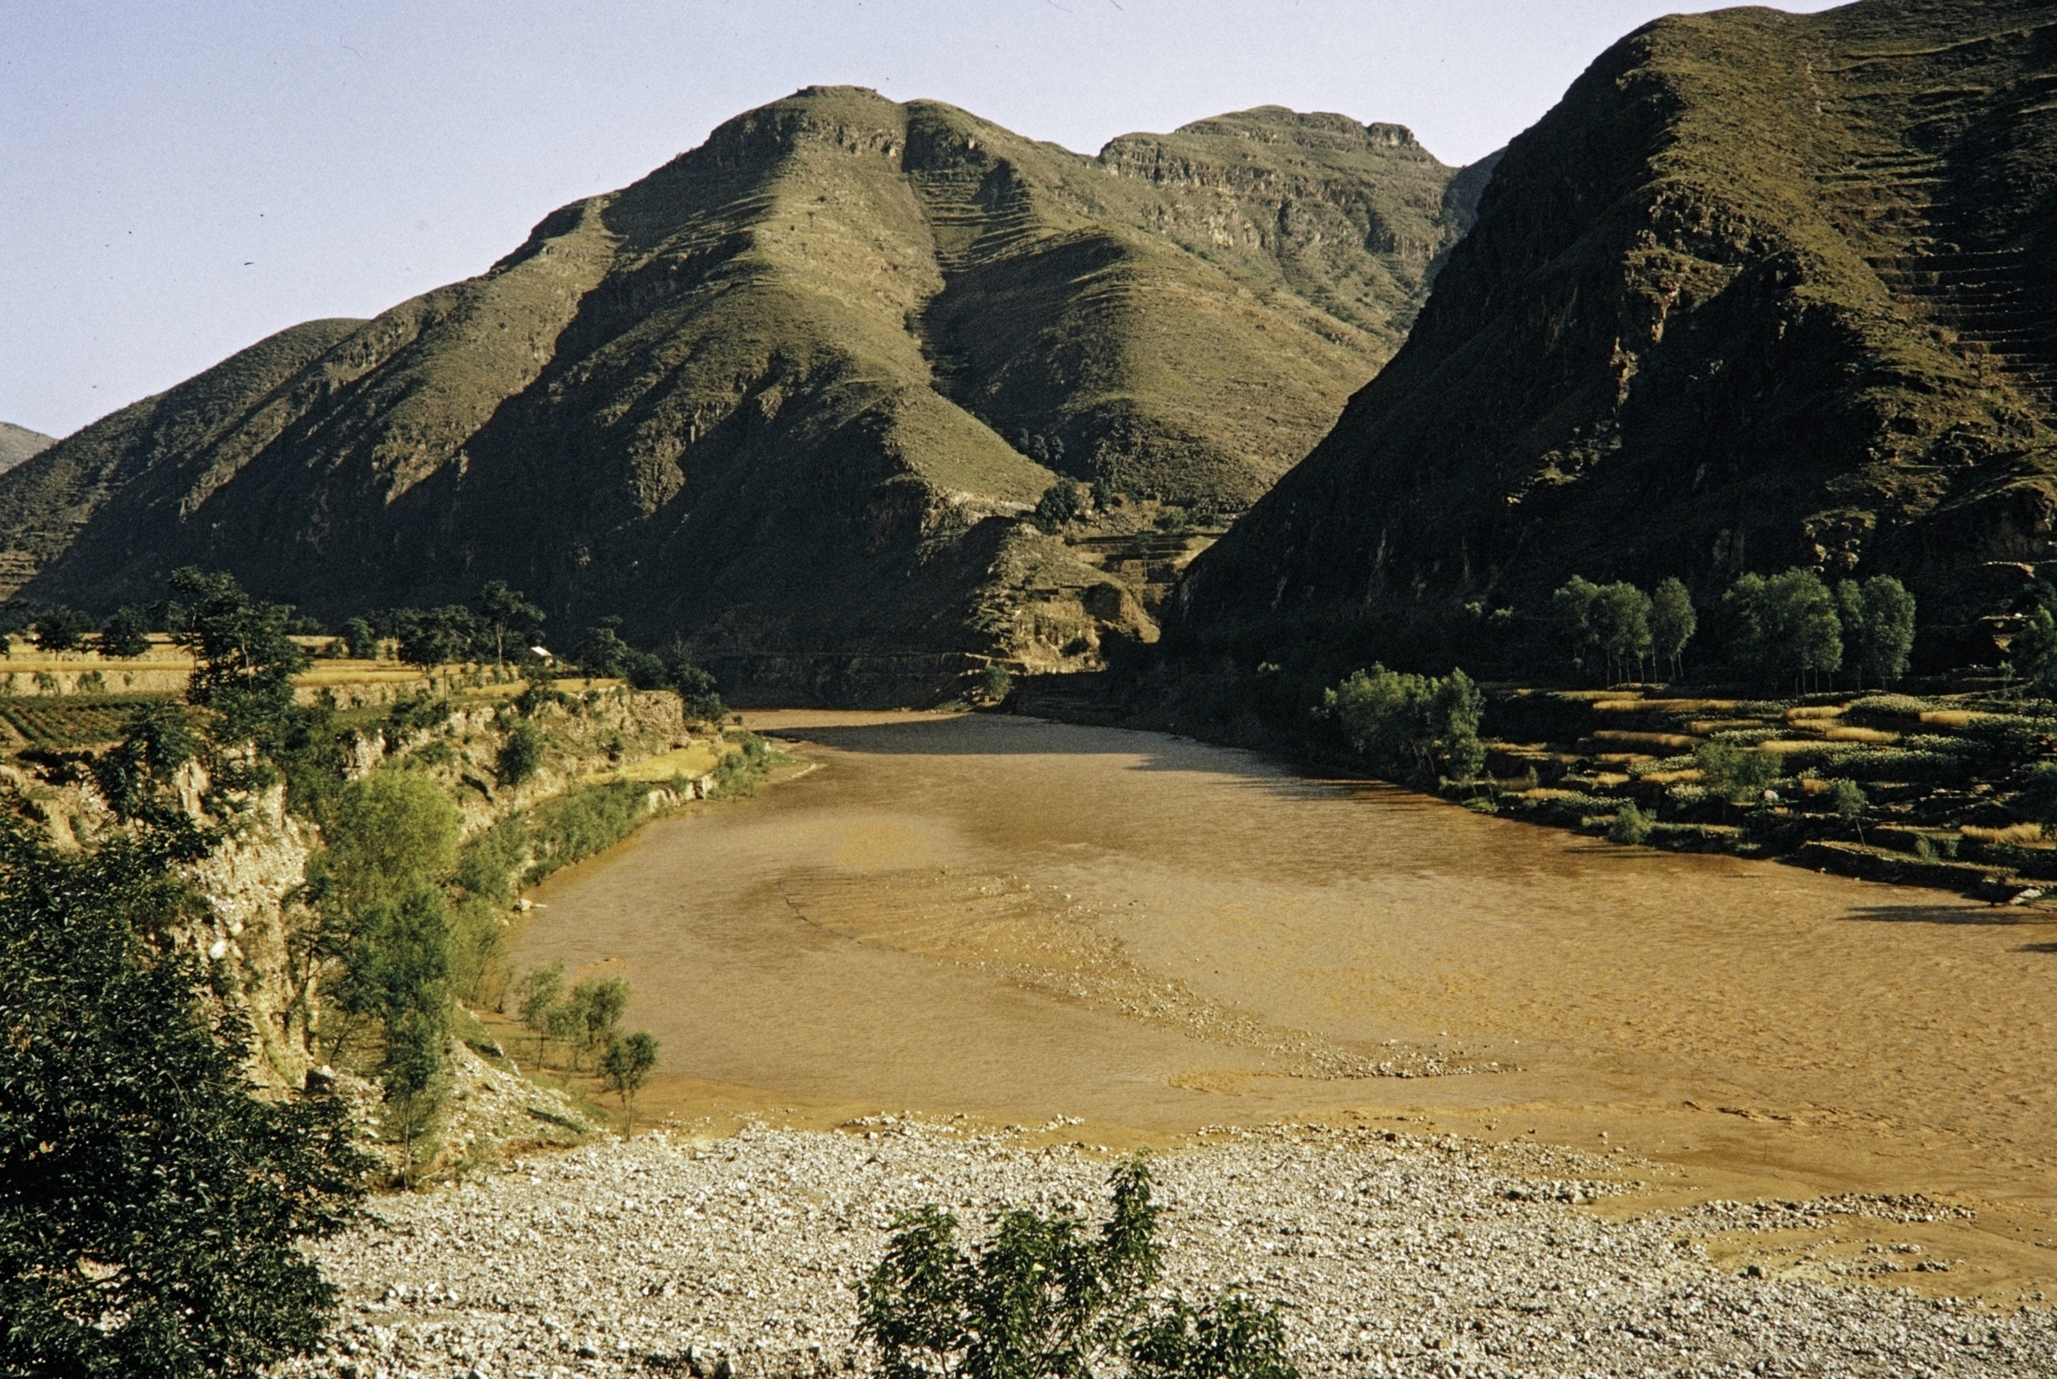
(1629, 826)
(995, 682)
(586, 821)
(1732, 771)
(1040, 1298)
(521, 754)
(1889, 706)
(1411, 726)
(1060, 503)
(387, 830)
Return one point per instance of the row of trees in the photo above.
(1783, 628)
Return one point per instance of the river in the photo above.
(1017, 921)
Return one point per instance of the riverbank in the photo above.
(1392, 1255)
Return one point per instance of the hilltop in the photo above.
(789, 395)
(18, 443)
(1763, 290)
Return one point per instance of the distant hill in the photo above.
(17, 443)
(1763, 290)
(789, 394)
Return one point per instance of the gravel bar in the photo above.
(1391, 1254)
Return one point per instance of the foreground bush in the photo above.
(1411, 727)
(1041, 1298)
(151, 1207)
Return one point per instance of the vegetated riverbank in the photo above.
(1937, 789)
(1391, 1255)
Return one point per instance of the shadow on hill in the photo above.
(1008, 735)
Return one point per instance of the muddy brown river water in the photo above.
(1016, 920)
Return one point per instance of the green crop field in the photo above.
(80, 721)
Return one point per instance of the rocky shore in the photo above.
(1392, 1255)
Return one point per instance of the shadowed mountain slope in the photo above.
(780, 395)
(18, 443)
(1763, 290)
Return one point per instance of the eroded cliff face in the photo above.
(790, 395)
(1764, 290)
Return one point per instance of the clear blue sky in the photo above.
(182, 179)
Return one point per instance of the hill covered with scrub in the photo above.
(1763, 291)
(791, 394)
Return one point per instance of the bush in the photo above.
(521, 755)
(1042, 1299)
(1409, 726)
(1173, 520)
(1733, 771)
(360, 643)
(995, 682)
(388, 829)
(697, 693)
(130, 1137)
(1630, 826)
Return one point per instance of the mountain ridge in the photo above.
(1722, 309)
(775, 395)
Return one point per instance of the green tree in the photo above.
(1060, 503)
(126, 634)
(1783, 626)
(1673, 622)
(1041, 1298)
(2033, 653)
(152, 1207)
(386, 831)
(995, 682)
(521, 755)
(399, 973)
(505, 615)
(1571, 620)
(597, 1003)
(1878, 627)
(626, 1066)
(1620, 620)
(360, 642)
(244, 659)
(434, 637)
(1847, 798)
(1736, 772)
(61, 629)
(601, 652)
(696, 688)
(1630, 826)
(157, 739)
(541, 992)
(1411, 726)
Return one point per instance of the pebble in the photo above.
(1391, 1255)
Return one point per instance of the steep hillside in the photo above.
(18, 443)
(781, 395)
(1763, 290)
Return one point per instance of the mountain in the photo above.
(18, 443)
(1763, 290)
(780, 397)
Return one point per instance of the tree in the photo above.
(598, 1003)
(386, 830)
(2033, 653)
(1672, 622)
(244, 660)
(521, 755)
(360, 642)
(61, 629)
(1409, 726)
(1060, 503)
(1619, 617)
(157, 739)
(1040, 1298)
(697, 691)
(506, 614)
(1878, 626)
(1571, 608)
(435, 637)
(1735, 772)
(1630, 825)
(541, 992)
(625, 1066)
(1785, 625)
(152, 1207)
(601, 652)
(399, 973)
(1849, 802)
(126, 634)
